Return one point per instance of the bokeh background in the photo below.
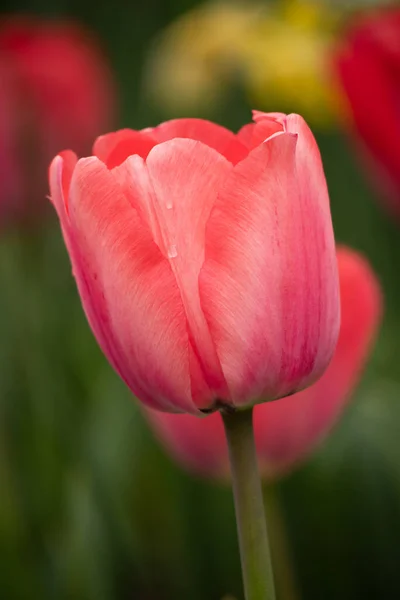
(90, 506)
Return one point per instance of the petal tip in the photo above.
(55, 180)
(60, 173)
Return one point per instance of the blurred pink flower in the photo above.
(205, 260)
(367, 62)
(287, 430)
(56, 91)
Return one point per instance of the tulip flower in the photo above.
(368, 67)
(206, 266)
(56, 91)
(287, 430)
(205, 260)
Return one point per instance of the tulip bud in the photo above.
(205, 261)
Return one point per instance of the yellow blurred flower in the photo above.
(277, 52)
(288, 61)
(197, 55)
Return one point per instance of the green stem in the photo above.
(250, 516)
(281, 555)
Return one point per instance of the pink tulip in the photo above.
(56, 91)
(289, 429)
(205, 261)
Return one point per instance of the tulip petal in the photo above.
(313, 189)
(61, 171)
(259, 116)
(215, 136)
(289, 429)
(130, 289)
(114, 148)
(179, 185)
(60, 175)
(267, 274)
(253, 134)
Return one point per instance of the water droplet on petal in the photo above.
(172, 251)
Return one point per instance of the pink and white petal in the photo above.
(60, 175)
(245, 135)
(202, 395)
(259, 116)
(262, 283)
(175, 209)
(315, 198)
(133, 179)
(114, 148)
(185, 178)
(287, 430)
(241, 273)
(131, 290)
(213, 135)
(254, 134)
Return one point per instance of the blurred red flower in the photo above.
(56, 91)
(287, 430)
(367, 62)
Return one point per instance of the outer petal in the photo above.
(269, 282)
(127, 287)
(60, 174)
(287, 430)
(114, 148)
(259, 116)
(61, 171)
(179, 185)
(317, 228)
(215, 136)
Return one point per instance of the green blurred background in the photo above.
(90, 507)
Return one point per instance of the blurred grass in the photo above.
(90, 507)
